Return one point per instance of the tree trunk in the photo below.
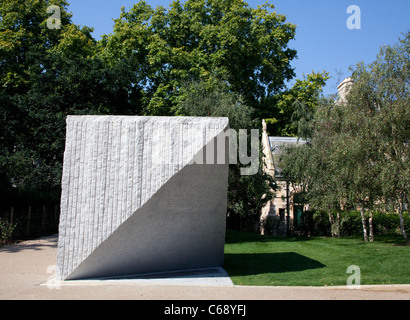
(364, 224)
(338, 224)
(371, 234)
(332, 223)
(400, 211)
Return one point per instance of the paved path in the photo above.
(26, 272)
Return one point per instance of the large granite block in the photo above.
(134, 200)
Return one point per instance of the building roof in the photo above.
(276, 142)
(275, 146)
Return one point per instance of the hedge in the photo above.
(316, 223)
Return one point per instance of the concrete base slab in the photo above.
(198, 277)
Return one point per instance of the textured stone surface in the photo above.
(132, 201)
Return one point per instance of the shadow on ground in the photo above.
(49, 242)
(253, 264)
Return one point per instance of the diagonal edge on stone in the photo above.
(181, 227)
(90, 138)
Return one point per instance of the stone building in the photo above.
(343, 89)
(285, 210)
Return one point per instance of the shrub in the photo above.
(275, 226)
(389, 223)
(351, 223)
(320, 224)
(6, 231)
(316, 223)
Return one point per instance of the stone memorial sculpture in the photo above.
(140, 195)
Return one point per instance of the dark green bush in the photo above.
(351, 223)
(320, 224)
(6, 231)
(385, 224)
(316, 223)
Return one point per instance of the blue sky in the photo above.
(323, 40)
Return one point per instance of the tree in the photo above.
(207, 40)
(46, 74)
(294, 108)
(356, 154)
(246, 194)
(23, 30)
(24, 37)
(382, 91)
(216, 100)
(358, 151)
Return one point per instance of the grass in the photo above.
(256, 260)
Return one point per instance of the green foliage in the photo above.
(246, 194)
(23, 31)
(351, 224)
(293, 109)
(246, 197)
(203, 40)
(6, 231)
(142, 68)
(386, 224)
(382, 95)
(202, 100)
(275, 226)
(358, 152)
(25, 45)
(316, 223)
(46, 74)
(200, 58)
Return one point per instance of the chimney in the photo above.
(343, 89)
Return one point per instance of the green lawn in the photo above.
(256, 260)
